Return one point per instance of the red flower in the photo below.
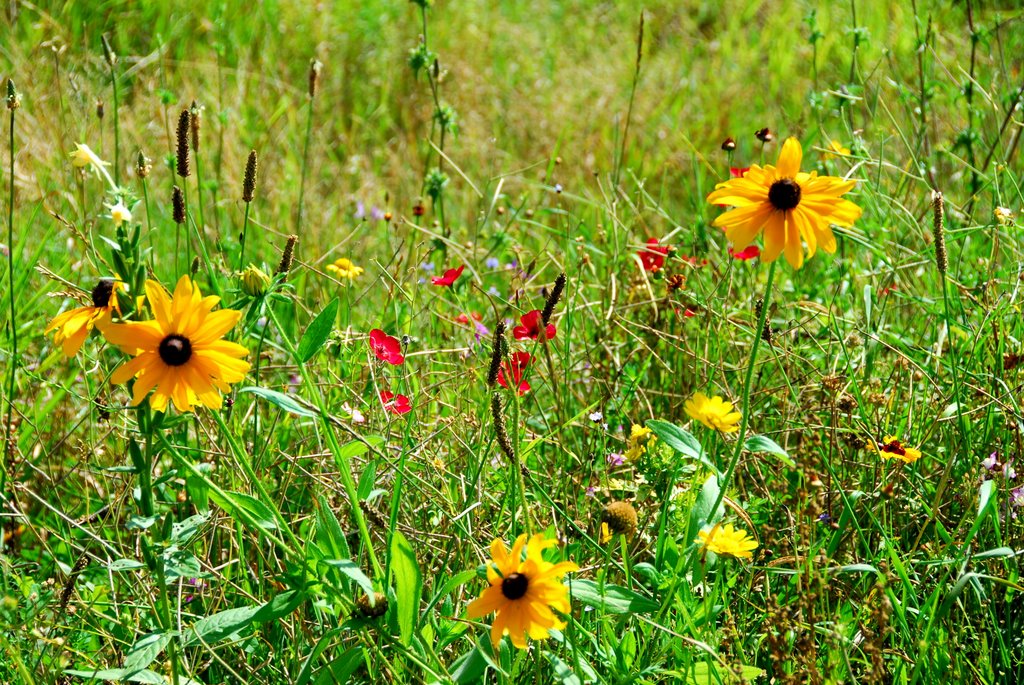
(464, 318)
(387, 348)
(746, 253)
(514, 368)
(530, 330)
(449, 276)
(396, 404)
(737, 172)
(652, 255)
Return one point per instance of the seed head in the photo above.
(315, 67)
(500, 432)
(249, 181)
(938, 231)
(553, 298)
(178, 205)
(184, 119)
(621, 518)
(142, 166)
(99, 109)
(765, 135)
(497, 354)
(108, 52)
(729, 144)
(195, 114)
(286, 257)
(13, 96)
(377, 609)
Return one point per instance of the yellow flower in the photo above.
(72, 327)
(837, 150)
(892, 448)
(180, 352)
(344, 268)
(119, 213)
(791, 207)
(727, 541)
(83, 156)
(1003, 215)
(254, 281)
(713, 412)
(606, 533)
(523, 591)
(640, 438)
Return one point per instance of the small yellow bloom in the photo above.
(344, 268)
(83, 156)
(1004, 216)
(727, 541)
(837, 150)
(606, 533)
(119, 213)
(254, 281)
(892, 448)
(523, 591)
(73, 327)
(640, 439)
(713, 412)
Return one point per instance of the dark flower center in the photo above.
(784, 194)
(514, 586)
(102, 292)
(175, 350)
(895, 447)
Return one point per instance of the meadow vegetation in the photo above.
(399, 341)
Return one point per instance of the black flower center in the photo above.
(894, 447)
(784, 194)
(102, 292)
(175, 350)
(514, 585)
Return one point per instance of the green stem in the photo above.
(344, 462)
(245, 231)
(7, 431)
(745, 400)
(199, 189)
(305, 162)
(117, 130)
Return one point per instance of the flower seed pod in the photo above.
(181, 159)
(621, 518)
(765, 135)
(553, 298)
(13, 96)
(99, 109)
(178, 205)
(108, 52)
(285, 265)
(497, 353)
(142, 166)
(315, 67)
(500, 431)
(195, 114)
(249, 180)
(377, 609)
(729, 144)
(939, 232)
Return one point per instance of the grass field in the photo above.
(728, 469)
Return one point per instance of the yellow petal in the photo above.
(789, 158)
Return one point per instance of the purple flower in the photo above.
(1017, 496)
(376, 213)
(481, 331)
(591, 490)
(493, 292)
(991, 461)
(492, 263)
(1009, 472)
(615, 459)
(360, 210)
(427, 266)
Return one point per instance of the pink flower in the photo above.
(514, 368)
(652, 255)
(449, 276)
(385, 347)
(396, 404)
(531, 328)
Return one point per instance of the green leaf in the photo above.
(710, 673)
(997, 553)
(317, 333)
(120, 675)
(681, 441)
(348, 568)
(613, 599)
(236, 501)
(408, 585)
(183, 531)
(125, 565)
(145, 651)
(562, 672)
(701, 514)
(279, 400)
(226, 623)
(760, 443)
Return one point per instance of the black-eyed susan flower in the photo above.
(523, 591)
(344, 268)
(792, 207)
(892, 448)
(713, 412)
(725, 540)
(73, 327)
(180, 353)
(640, 439)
